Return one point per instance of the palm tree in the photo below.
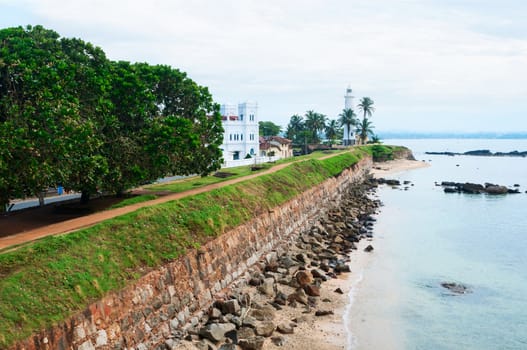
(364, 129)
(295, 127)
(375, 139)
(348, 118)
(332, 130)
(366, 106)
(315, 122)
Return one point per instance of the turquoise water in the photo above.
(481, 241)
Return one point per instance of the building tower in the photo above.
(240, 136)
(348, 138)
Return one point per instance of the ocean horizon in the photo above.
(425, 237)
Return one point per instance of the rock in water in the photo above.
(368, 249)
(456, 288)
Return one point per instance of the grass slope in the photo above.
(44, 282)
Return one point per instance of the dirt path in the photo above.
(92, 219)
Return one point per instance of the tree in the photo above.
(364, 128)
(332, 131)
(44, 112)
(268, 129)
(315, 122)
(70, 116)
(375, 139)
(348, 118)
(294, 128)
(366, 106)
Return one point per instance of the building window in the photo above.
(230, 137)
(252, 151)
(241, 117)
(251, 117)
(241, 137)
(236, 155)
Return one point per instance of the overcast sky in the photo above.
(429, 65)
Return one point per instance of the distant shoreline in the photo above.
(425, 135)
(481, 153)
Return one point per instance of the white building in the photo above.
(348, 139)
(240, 137)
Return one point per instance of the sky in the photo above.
(429, 65)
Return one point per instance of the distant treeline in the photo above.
(70, 116)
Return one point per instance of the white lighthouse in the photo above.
(348, 137)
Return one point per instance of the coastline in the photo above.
(325, 320)
(352, 326)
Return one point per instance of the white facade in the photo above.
(240, 137)
(348, 103)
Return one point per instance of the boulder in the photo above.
(285, 329)
(278, 341)
(249, 321)
(230, 307)
(456, 288)
(253, 343)
(265, 313)
(265, 328)
(495, 189)
(303, 278)
(323, 312)
(267, 287)
(245, 333)
(298, 296)
(450, 190)
(312, 290)
(472, 188)
(369, 248)
(342, 267)
(319, 274)
(216, 331)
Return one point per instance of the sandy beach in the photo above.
(396, 166)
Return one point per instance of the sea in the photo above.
(424, 237)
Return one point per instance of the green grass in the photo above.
(45, 282)
(133, 200)
(382, 153)
(197, 181)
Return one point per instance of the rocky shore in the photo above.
(291, 288)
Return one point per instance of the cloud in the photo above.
(439, 57)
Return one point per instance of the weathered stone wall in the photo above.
(153, 308)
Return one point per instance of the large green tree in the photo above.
(348, 118)
(42, 106)
(315, 122)
(332, 131)
(70, 116)
(267, 128)
(294, 128)
(364, 129)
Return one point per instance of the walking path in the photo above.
(92, 219)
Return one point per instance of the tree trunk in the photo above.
(41, 198)
(85, 197)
